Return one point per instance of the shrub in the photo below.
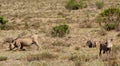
(109, 19)
(9, 26)
(72, 5)
(2, 58)
(4, 25)
(109, 27)
(3, 22)
(60, 30)
(100, 4)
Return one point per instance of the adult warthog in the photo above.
(21, 42)
(105, 47)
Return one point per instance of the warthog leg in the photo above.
(100, 51)
(36, 43)
(10, 46)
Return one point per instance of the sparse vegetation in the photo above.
(109, 19)
(26, 17)
(99, 4)
(41, 56)
(72, 5)
(82, 4)
(86, 25)
(60, 30)
(3, 58)
(3, 22)
(58, 43)
(75, 5)
(82, 58)
(102, 32)
(77, 48)
(78, 63)
(26, 25)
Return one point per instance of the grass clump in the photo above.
(99, 4)
(60, 30)
(109, 19)
(4, 25)
(3, 22)
(118, 35)
(102, 32)
(3, 58)
(58, 43)
(109, 26)
(41, 56)
(74, 5)
(79, 60)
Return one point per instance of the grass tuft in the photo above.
(3, 58)
(41, 56)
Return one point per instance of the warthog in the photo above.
(24, 42)
(105, 47)
(91, 44)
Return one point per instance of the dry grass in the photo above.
(41, 56)
(26, 17)
(3, 58)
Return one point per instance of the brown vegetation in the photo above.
(28, 17)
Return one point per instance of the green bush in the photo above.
(60, 30)
(109, 27)
(3, 22)
(100, 4)
(109, 19)
(72, 5)
(2, 58)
